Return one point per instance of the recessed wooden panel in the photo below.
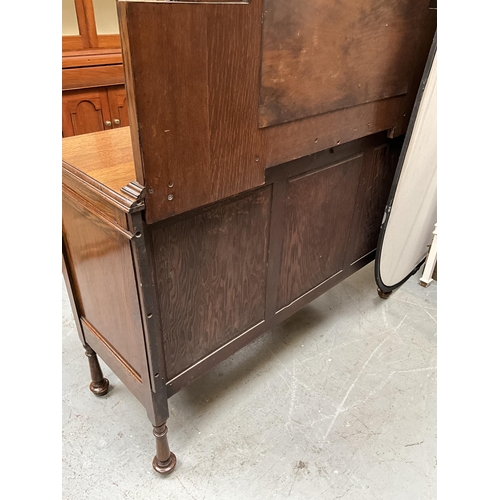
(324, 55)
(376, 181)
(105, 288)
(84, 111)
(192, 73)
(319, 210)
(211, 272)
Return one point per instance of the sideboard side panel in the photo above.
(104, 282)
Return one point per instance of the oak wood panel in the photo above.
(101, 265)
(196, 112)
(319, 210)
(326, 55)
(211, 275)
(324, 158)
(92, 76)
(117, 97)
(427, 28)
(375, 184)
(212, 359)
(299, 138)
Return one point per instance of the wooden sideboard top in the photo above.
(104, 161)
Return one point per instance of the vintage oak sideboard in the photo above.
(263, 140)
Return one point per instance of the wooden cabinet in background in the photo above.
(91, 110)
(117, 98)
(93, 96)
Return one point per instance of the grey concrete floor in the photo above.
(339, 401)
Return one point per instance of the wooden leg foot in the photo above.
(99, 385)
(383, 295)
(164, 461)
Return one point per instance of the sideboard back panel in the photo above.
(375, 184)
(219, 92)
(319, 208)
(211, 270)
(324, 55)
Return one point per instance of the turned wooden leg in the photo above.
(99, 385)
(383, 295)
(164, 461)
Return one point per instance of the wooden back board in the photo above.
(219, 91)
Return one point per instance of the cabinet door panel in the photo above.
(375, 184)
(85, 111)
(118, 106)
(319, 207)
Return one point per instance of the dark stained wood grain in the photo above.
(299, 138)
(192, 78)
(426, 30)
(211, 276)
(376, 181)
(326, 55)
(157, 405)
(324, 158)
(277, 228)
(212, 359)
(319, 211)
(101, 265)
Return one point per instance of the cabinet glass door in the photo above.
(106, 17)
(69, 19)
